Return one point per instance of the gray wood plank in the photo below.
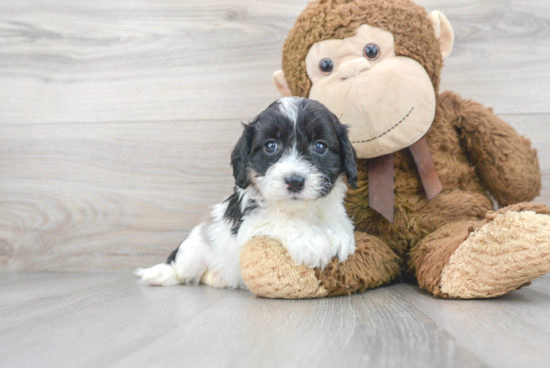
(489, 62)
(106, 320)
(535, 127)
(114, 321)
(374, 329)
(531, 305)
(29, 296)
(76, 61)
(107, 196)
(125, 324)
(499, 331)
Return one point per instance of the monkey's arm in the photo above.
(504, 160)
(268, 270)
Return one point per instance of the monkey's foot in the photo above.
(506, 251)
(268, 271)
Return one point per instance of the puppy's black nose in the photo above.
(295, 183)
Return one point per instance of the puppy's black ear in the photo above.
(348, 157)
(240, 154)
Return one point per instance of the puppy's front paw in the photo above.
(343, 242)
(161, 275)
(213, 279)
(310, 248)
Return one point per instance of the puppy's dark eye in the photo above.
(320, 148)
(326, 66)
(270, 147)
(371, 51)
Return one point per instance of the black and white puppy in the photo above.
(288, 168)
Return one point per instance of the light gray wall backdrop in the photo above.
(117, 117)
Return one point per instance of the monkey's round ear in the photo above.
(281, 84)
(443, 32)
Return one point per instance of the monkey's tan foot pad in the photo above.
(506, 251)
(269, 272)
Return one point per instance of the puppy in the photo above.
(288, 167)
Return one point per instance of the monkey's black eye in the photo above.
(270, 147)
(326, 66)
(320, 148)
(371, 51)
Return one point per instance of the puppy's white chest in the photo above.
(312, 235)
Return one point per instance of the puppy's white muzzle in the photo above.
(281, 183)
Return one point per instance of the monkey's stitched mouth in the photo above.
(387, 131)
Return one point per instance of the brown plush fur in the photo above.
(464, 137)
(338, 19)
(463, 199)
(519, 207)
(464, 195)
(506, 251)
(474, 153)
(428, 258)
(270, 272)
(372, 265)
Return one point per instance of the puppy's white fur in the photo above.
(313, 226)
(313, 231)
(289, 107)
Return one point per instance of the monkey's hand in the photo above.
(268, 270)
(504, 160)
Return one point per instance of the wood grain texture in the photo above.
(111, 320)
(508, 331)
(501, 53)
(117, 118)
(107, 196)
(80, 61)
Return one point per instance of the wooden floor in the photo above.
(111, 320)
(117, 118)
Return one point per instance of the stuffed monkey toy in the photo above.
(429, 164)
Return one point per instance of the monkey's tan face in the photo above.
(387, 100)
